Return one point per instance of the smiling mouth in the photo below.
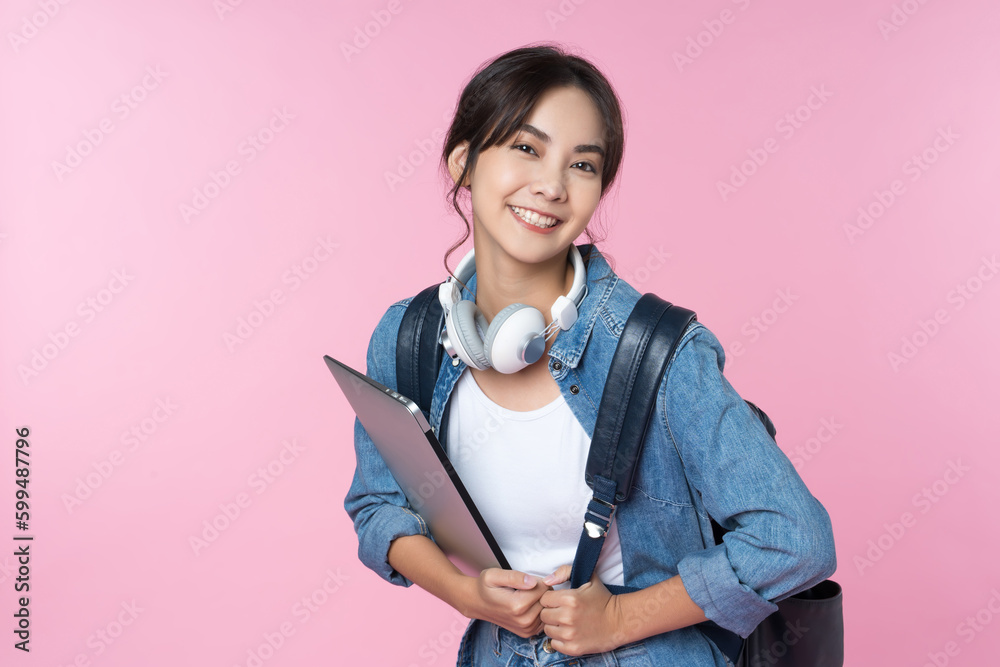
(532, 218)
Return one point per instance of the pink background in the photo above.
(890, 91)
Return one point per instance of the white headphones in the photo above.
(516, 336)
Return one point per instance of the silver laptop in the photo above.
(421, 467)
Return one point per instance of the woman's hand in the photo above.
(582, 620)
(510, 599)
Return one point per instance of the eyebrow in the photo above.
(582, 148)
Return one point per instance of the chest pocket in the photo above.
(660, 476)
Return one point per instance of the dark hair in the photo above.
(501, 94)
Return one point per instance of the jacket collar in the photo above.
(570, 344)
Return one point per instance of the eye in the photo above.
(588, 167)
(518, 147)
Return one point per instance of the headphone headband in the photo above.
(449, 293)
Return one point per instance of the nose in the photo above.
(549, 183)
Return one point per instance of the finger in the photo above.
(509, 579)
(549, 599)
(537, 625)
(555, 632)
(561, 575)
(565, 647)
(551, 618)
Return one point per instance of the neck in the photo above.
(502, 280)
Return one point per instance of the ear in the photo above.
(456, 162)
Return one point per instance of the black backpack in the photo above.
(651, 334)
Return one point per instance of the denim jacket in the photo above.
(706, 454)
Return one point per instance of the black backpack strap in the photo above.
(418, 353)
(647, 342)
(764, 419)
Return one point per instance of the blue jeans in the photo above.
(488, 645)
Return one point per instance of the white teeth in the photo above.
(533, 218)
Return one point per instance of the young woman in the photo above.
(536, 142)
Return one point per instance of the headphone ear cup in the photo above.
(467, 341)
(510, 332)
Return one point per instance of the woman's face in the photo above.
(551, 168)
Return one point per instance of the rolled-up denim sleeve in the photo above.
(375, 502)
(781, 539)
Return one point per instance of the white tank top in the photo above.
(525, 472)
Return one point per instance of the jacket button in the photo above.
(557, 365)
(574, 389)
